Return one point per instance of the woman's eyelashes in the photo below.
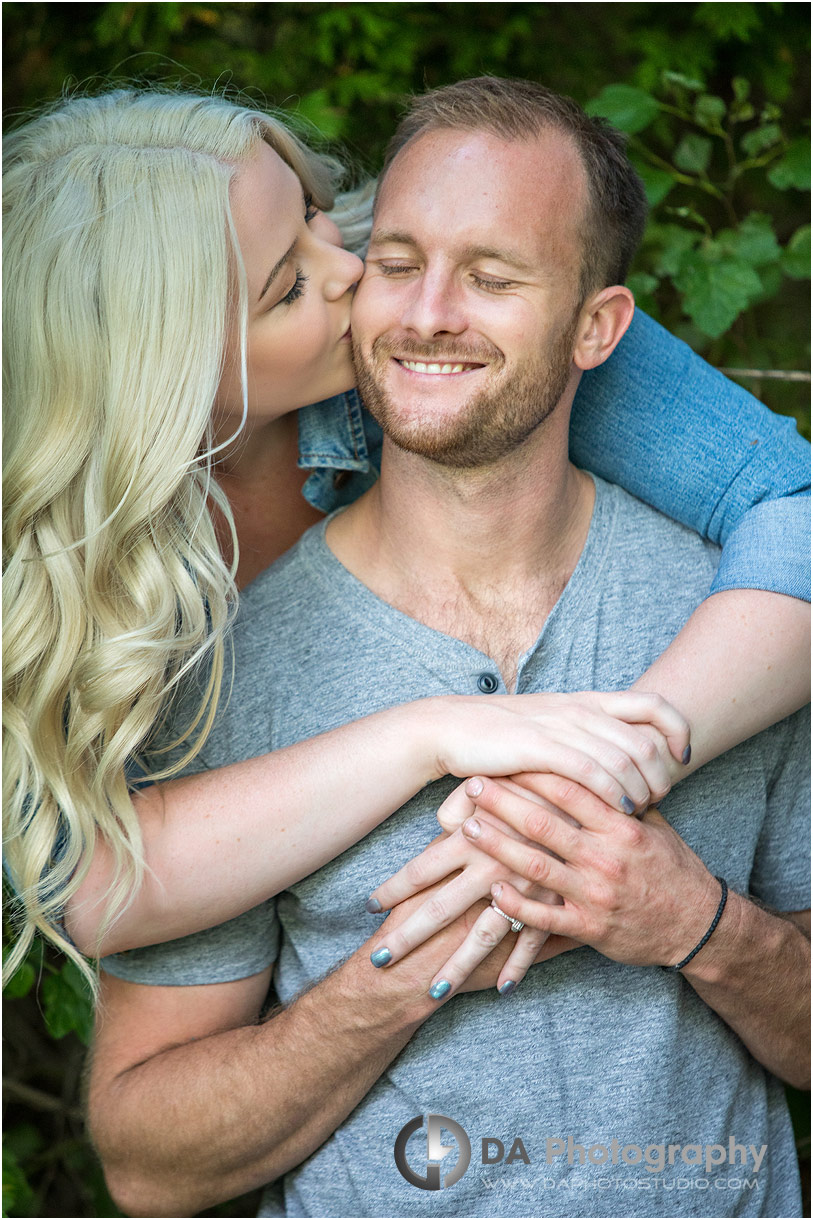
(296, 290)
(298, 286)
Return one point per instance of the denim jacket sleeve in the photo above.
(677, 434)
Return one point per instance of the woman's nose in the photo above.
(346, 269)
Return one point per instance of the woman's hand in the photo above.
(476, 874)
(624, 746)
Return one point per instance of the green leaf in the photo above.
(686, 82)
(796, 255)
(771, 279)
(17, 1194)
(728, 20)
(640, 283)
(741, 112)
(756, 141)
(626, 107)
(657, 183)
(742, 88)
(24, 1140)
(687, 213)
(21, 981)
(716, 291)
(693, 154)
(676, 244)
(794, 168)
(316, 108)
(709, 110)
(754, 241)
(67, 1005)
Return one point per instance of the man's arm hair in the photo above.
(194, 1099)
(756, 976)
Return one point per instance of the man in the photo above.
(502, 231)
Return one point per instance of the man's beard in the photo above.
(493, 422)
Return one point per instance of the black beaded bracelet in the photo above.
(714, 923)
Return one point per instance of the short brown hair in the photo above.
(519, 109)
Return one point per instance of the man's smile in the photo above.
(436, 369)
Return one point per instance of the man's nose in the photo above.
(434, 307)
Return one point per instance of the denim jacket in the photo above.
(663, 424)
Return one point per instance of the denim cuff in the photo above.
(769, 549)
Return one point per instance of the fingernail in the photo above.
(440, 989)
(496, 890)
(472, 828)
(508, 987)
(687, 756)
(372, 906)
(380, 957)
(627, 805)
(474, 787)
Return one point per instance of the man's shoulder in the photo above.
(299, 568)
(650, 543)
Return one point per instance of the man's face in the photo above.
(464, 323)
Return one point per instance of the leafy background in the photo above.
(715, 98)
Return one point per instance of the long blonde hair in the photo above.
(122, 274)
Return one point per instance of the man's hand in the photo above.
(633, 890)
(636, 892)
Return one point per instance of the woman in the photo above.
(141, 346)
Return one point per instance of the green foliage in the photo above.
(708, 256)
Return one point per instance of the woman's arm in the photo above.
(220, 842)
(741, 663)
(662, 423)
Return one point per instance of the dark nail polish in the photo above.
(440, 989)
(627, 805)
(508, 987)
(380, 957)
(372, 906)
(687, 756)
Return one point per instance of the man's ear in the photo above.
(603, 321)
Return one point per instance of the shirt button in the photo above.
(488, 683)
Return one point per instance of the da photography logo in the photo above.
(435, 1152)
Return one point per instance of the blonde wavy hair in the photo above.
(122, 277)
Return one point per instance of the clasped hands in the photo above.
(555, 856)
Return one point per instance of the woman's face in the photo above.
(299, 293)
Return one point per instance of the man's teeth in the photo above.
(418, 366)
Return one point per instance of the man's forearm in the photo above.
(755, 973)
(208, 1120)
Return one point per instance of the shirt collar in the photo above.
(331, 434)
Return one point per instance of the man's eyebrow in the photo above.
(275, 270)
(512, 258)
(392, 237)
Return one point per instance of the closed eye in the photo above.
(491, 285)
(295, 291)
(395, 268)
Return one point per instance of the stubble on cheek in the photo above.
(489, 423)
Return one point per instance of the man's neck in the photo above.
(479, 554)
